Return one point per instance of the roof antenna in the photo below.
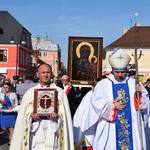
(131, 22)
(46, 36)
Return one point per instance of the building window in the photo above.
(39, 54)
(3, 55)
(28, 59)
(21, 57)
(45, 55)
(149, 75)
(28, 40)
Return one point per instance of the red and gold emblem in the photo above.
(45, 101)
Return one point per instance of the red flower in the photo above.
(3, 102)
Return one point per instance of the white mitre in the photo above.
(119, 60)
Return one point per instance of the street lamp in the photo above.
(17, 47)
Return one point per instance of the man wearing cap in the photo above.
(112, 122)
(14, 83)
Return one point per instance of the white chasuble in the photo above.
(61, 139)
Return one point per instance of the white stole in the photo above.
(44, 142)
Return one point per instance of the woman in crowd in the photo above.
(8, 100)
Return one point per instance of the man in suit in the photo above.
(70, 92)
(14, 82)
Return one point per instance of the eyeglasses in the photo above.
(65, 79)
(5, 87)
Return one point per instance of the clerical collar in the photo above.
(64, 85)
(45, 86)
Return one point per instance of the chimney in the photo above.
(137, 24)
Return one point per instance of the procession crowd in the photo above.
(112, 114)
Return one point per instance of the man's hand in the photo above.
(119, 105)
(53, 116)
(35, 117)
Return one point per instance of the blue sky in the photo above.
(63, 18)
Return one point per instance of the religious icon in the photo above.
(85, 52)
(45, 101)
(84, 59)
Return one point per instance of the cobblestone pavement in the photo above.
(3, 141)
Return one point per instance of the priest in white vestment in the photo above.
(114, 122)
(53, 132)
(79, 118)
